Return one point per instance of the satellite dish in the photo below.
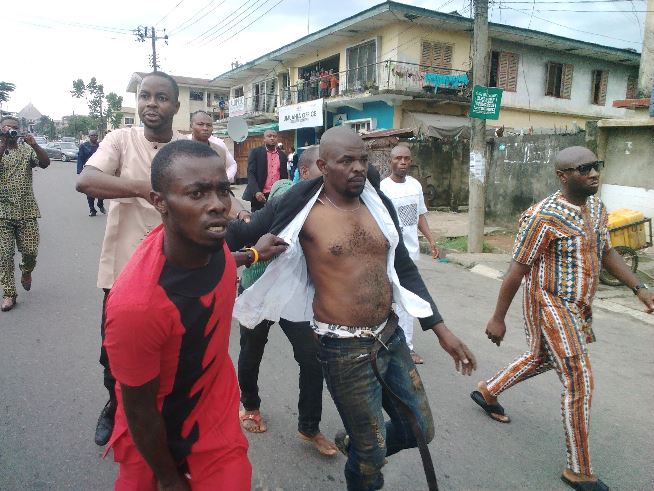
(237, 129)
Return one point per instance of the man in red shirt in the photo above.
(168, 321)
(266, 166)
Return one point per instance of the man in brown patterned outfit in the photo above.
(18, 208)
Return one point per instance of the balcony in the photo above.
(396, 80)
(389, 81)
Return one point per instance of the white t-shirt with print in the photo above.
(409, 203)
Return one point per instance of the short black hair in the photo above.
(172, 81)
(13, 118)
(171, 152)
(200, 111)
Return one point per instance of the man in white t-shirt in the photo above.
(406, 194)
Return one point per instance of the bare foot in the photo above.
(491, 400)
(322, 444)
(252, 421)
(417, 359)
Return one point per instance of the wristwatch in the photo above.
(638, 288)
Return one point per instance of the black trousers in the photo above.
(91, 201)
(305, 351)
(109, 380)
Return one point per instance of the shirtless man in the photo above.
(345, 266)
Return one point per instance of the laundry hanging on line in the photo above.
(439, 80)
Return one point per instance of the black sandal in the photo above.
(490, 409)
(586, 485)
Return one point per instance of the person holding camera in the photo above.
(18, 208)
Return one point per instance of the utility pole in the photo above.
(646, 71)
(143, 33)
(478, 164)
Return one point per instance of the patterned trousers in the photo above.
(576, 376)
(25, 234)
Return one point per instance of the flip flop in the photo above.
(491, 409)
(259, 425)
(586, 485)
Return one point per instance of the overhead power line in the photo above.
(502, 2)
(169, 12)
(200, 18)
(216, 27)
(595, 11)
(222, 41)
(39, 22)
(193, 18)
(235, 22)
(573, 28)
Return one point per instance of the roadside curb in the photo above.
(474, 265)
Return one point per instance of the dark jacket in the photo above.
(258, 171)
(84, 154)
(280, 211)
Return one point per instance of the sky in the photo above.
(50, 44)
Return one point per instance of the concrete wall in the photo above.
(521, 172)
(530, 93)
(447, 165)
(628, 177)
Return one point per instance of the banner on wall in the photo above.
(303, 115)
(237, 106)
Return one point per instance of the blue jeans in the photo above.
(359, 398)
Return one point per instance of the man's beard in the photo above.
(354, 194)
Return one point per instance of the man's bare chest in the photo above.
(338, 235)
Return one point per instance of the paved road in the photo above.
(51, 389)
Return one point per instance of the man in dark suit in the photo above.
(266, 166)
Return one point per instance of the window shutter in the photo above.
(512, 78)
(426, 54)
(604, 82)
(566, 81)
(436, 57)
(448, 51)
(632, 84)
(548, 82)
(507, 73)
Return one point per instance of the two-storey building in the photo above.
(400, 66)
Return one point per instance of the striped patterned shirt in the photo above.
(564, 245)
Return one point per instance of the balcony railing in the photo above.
(377, 78)
(389, 75)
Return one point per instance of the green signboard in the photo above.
(485, 102)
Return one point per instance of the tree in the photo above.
(77, 124)
(45, 126)
(5, 89)
(114, 113)
(93, 93)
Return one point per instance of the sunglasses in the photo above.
(584, 169)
